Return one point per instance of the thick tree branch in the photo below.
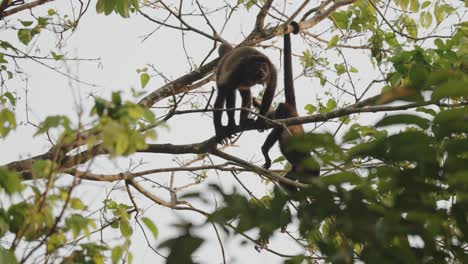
(209, 145)
(259, 23)
(131, 175)
(253, 39)
(23, 7)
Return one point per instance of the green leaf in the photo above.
(51, 12)
(403, 4)
(55, 241)
(151, 226)
(353, 70)
(331, 104)
(439, 43)
(408, 146)
(391, 39)
(10, 97)
(414, 5)
(333, 41)
(418, 76)
(10, 181)
(411, 27)
(425, 18)
(116, 98)
(451, 121)
(452, 89)
(340, 68)
(50, 122)
(426, 110)
(310, 109)
(341, 19)
(403, 119)
(7, 122)
(77, 204)
(100, 6)
(123, 8)
(130, 258)
(7, 256)
(425, 4)
(342, 177)
(56, 56)
(182, 248)
(42, 169)
(26, 23)
(109, 6)
(135, 4)
(125, 228)
(25, 36)
(144, 79)
(3, 60)
(117, 253)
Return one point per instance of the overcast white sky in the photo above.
(118, 42)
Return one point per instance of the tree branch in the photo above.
(23, 7)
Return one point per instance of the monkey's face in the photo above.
(257, 72)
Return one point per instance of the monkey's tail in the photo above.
(224, 48)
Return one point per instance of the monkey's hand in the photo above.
(267, 164)
(260, 124)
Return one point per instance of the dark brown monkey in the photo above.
(301, 168)
(239, 69)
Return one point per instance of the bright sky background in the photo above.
(118, 42)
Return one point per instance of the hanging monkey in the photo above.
(300, 169)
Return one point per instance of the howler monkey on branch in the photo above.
(239, 69)
(303, 167)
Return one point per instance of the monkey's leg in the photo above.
(269, 142)
(246, 103)
(230, 104)
(268, 96)
(217, 115)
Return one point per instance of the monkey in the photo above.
(300, 161)
(239, 69)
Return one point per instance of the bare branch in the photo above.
(259, 23)
(23, 7)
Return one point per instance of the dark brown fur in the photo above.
(239, 69)
(299, 169)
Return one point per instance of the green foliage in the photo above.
(7, 122)
(144, 79)
(331, 105)
(182, 248)
(151, 226)
(118, 125)
(121, 7)
(10, 182)
(333, 41)
(377, 213)
(7, 256)
(248, 3)
(403, 119)
(87, 253)
(25, 35)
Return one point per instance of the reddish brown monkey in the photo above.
(301, 168)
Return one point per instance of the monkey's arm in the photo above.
(269, 91)
(269, 142)
(217, 115)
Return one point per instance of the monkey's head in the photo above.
(256, 71)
